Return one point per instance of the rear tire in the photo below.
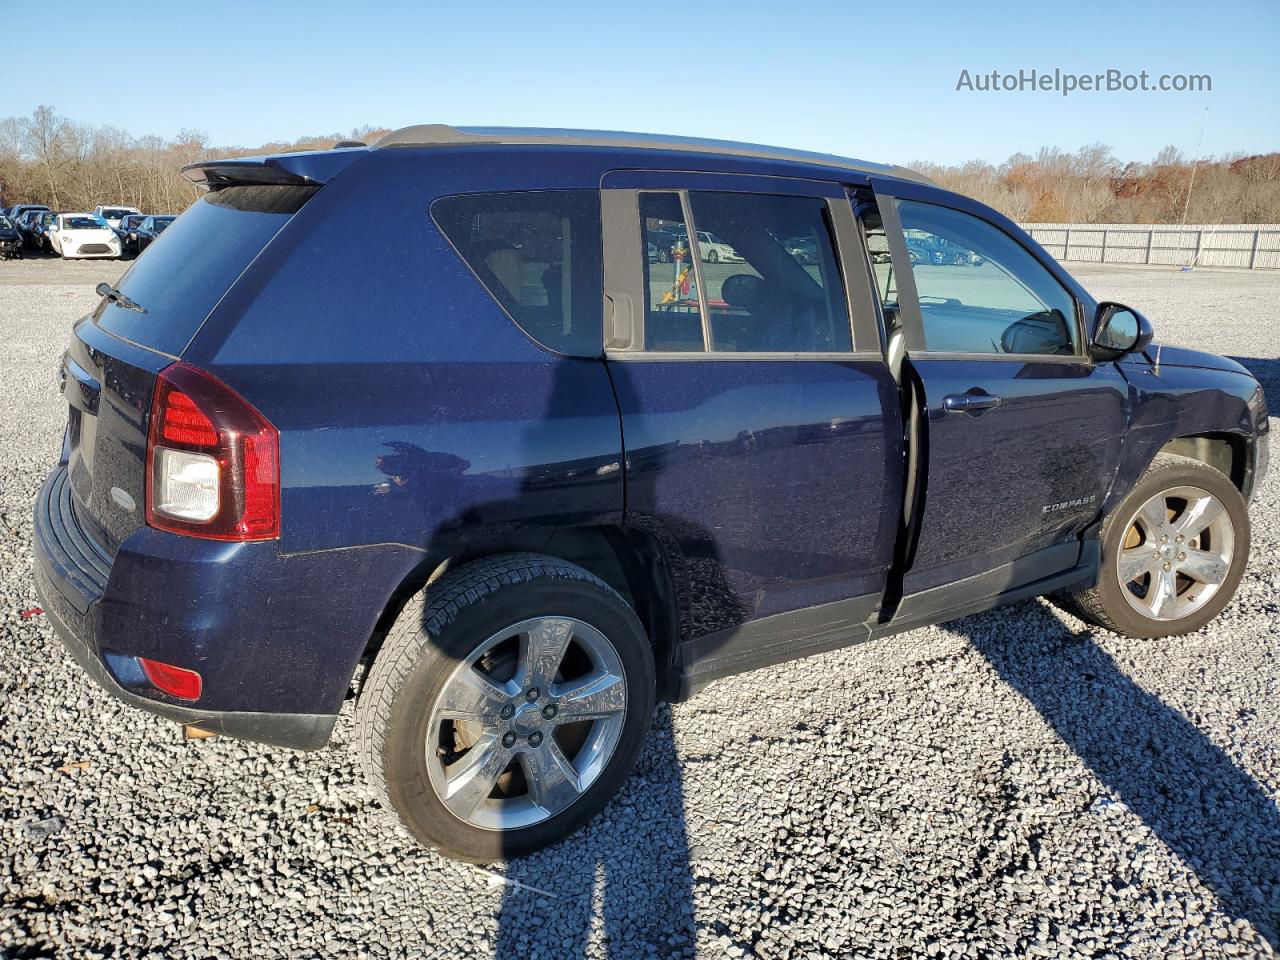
(1186, 570)
(459, 698)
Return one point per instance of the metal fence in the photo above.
(1254, 246)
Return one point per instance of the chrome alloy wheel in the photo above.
(1176, 553)
(527, 723)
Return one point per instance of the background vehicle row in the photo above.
(106, 232)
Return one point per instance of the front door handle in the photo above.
(971, 403)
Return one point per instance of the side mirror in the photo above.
(1119, 330)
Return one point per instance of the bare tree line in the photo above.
(1092, 186)
(47, 158)
(50, 159)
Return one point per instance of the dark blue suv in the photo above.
(506, 477)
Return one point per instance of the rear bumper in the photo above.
(301, 731)
(185, 601)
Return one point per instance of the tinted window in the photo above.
(770, 272)
(980, 290)
(672, 317)
(538, 254)
(183, 276)
(768, 265)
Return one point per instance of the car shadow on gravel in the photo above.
(1266, 370)
(1205, 808)
(623, 884)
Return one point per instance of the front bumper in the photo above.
(75, 583)
(70, 253)
(1261, 463)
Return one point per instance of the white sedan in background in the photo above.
(78, 235)
(711, 248)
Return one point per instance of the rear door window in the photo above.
(538, 255)
(183, 275)
(770, 272)
(767, 265)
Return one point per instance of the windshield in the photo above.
(5, 224)
(131, 221)
(183, 276)
(83, 223)
(114, 213)
(159, 223)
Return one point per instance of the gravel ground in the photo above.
(1009, 784)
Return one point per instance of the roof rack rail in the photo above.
(440, 134)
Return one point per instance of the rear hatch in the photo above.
(109, 371)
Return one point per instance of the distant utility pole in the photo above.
(1191, 183)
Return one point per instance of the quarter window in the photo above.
(538, 255)
(980, 291)
(673, 318)
(767, 264)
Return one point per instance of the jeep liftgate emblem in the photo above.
(1068, 504)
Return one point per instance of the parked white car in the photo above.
(77, 235)
(114, 213)
(713, 249)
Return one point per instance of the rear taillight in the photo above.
(213, 461)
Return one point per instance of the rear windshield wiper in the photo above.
(115, 296)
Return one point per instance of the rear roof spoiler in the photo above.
(311, 168)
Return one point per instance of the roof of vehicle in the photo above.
(317, 166)
(431, 134)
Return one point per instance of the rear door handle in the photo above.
(974, 403)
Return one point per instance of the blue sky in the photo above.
(876, 81)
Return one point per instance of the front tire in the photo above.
(1173, 552)
(507, 705)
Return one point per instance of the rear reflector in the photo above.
(175, 681)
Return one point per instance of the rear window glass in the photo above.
(538, 254)
(182, 276)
